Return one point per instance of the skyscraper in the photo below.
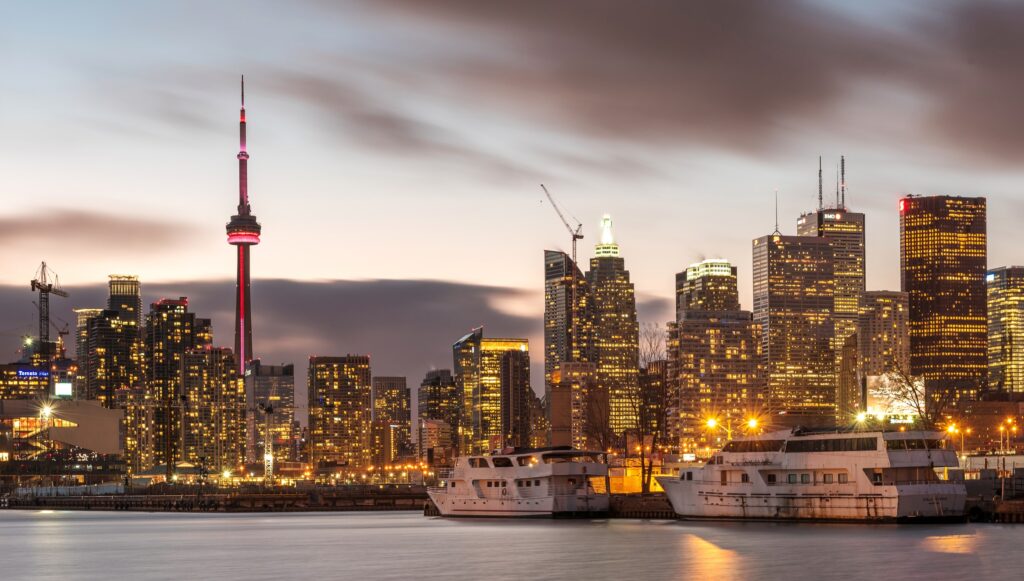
(577, 409)
(212, 410)
(272, 387)
(169, 335)
(493, 377)
(616, 333)
(243, 232)
(883, 333)
(1006, 329)
(715, 363)
(566, 330)
(109, 349)
(82, 317)
(794, 285)
(943, 259)
(339, 411)
(439, 398)
(391, 408)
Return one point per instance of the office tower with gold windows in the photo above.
(1006, 329)
(567, 336)
(391, 406)
(169, 334)
(340, 411)
(794, 285)
(212, 410)
(943, 262)
(110, 350)
(270, 405)
(714, 349)
(615, 331)
(493, 378)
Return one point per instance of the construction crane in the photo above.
(46, 286)
(576, 234)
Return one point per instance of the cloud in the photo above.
(92, 230)
(729, 73)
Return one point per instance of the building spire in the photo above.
(607, 245)
(842, 181)
(243, 158)
(777, 212)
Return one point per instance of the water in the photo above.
(42, 545)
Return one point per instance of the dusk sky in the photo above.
(397, 147)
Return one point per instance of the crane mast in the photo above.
(46, 285)
(576, 235)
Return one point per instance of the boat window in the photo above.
(771, 479)
(526, 460)
(842, 478)
(935, 444)
(833, 445)
(914, 444)
(725, 477)
(791, 478)
(489, 484)
(689, 475)
(827, 479)
(536, 482)
(572, 482)
(479, 463)
(805, 479)
(502, 462)
(559, 458)
(744, 477)
(529, 483)
(754, 446)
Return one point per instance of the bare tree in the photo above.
(649, 399)
(903, 392)
(596, 426)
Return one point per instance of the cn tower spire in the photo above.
(243, 233)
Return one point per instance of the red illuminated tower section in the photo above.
(243, 232)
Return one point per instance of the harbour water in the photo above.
(43, 545)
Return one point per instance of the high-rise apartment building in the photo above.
(794, 286)
(212, 410)
(943, 262)
(270, 406)
(439, 398)
(168, 336)
(1006, 329)
(494, 379)
(339, 411)
(567, 334)
(110, 350)
(616, 333)
(715, 363)
(391, 408)
(82, 317)
(883, 333)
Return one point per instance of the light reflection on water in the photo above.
(369, 546)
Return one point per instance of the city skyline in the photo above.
(328, 147)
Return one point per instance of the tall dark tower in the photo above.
(243, 232)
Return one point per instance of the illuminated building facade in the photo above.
(616, 333)
(435, 445)
(169, 335)
(943, 262)
(212, 410)
(111, 358)
(391, 410)
(883, 333)
(565, 338)
(21, 381)
(82, 317)
(709, 285)
(577, 409)
(716, 367)
(1006, 329)
(273, 387)
(493, 377)
(793, 302)
(339, 410)
(439, 398)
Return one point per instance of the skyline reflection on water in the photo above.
(92, 545)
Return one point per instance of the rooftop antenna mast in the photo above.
(821, 203)
(576, 234)
(842, 180)
(777, 212)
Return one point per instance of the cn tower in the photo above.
(243, 232)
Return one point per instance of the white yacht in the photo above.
(525, 483)
(806, 475)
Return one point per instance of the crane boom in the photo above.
(576, 234)
(46, 287)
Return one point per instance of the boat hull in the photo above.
(900, 503)
(549, 507)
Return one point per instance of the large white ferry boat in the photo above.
(525, 483)
(798, 474)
